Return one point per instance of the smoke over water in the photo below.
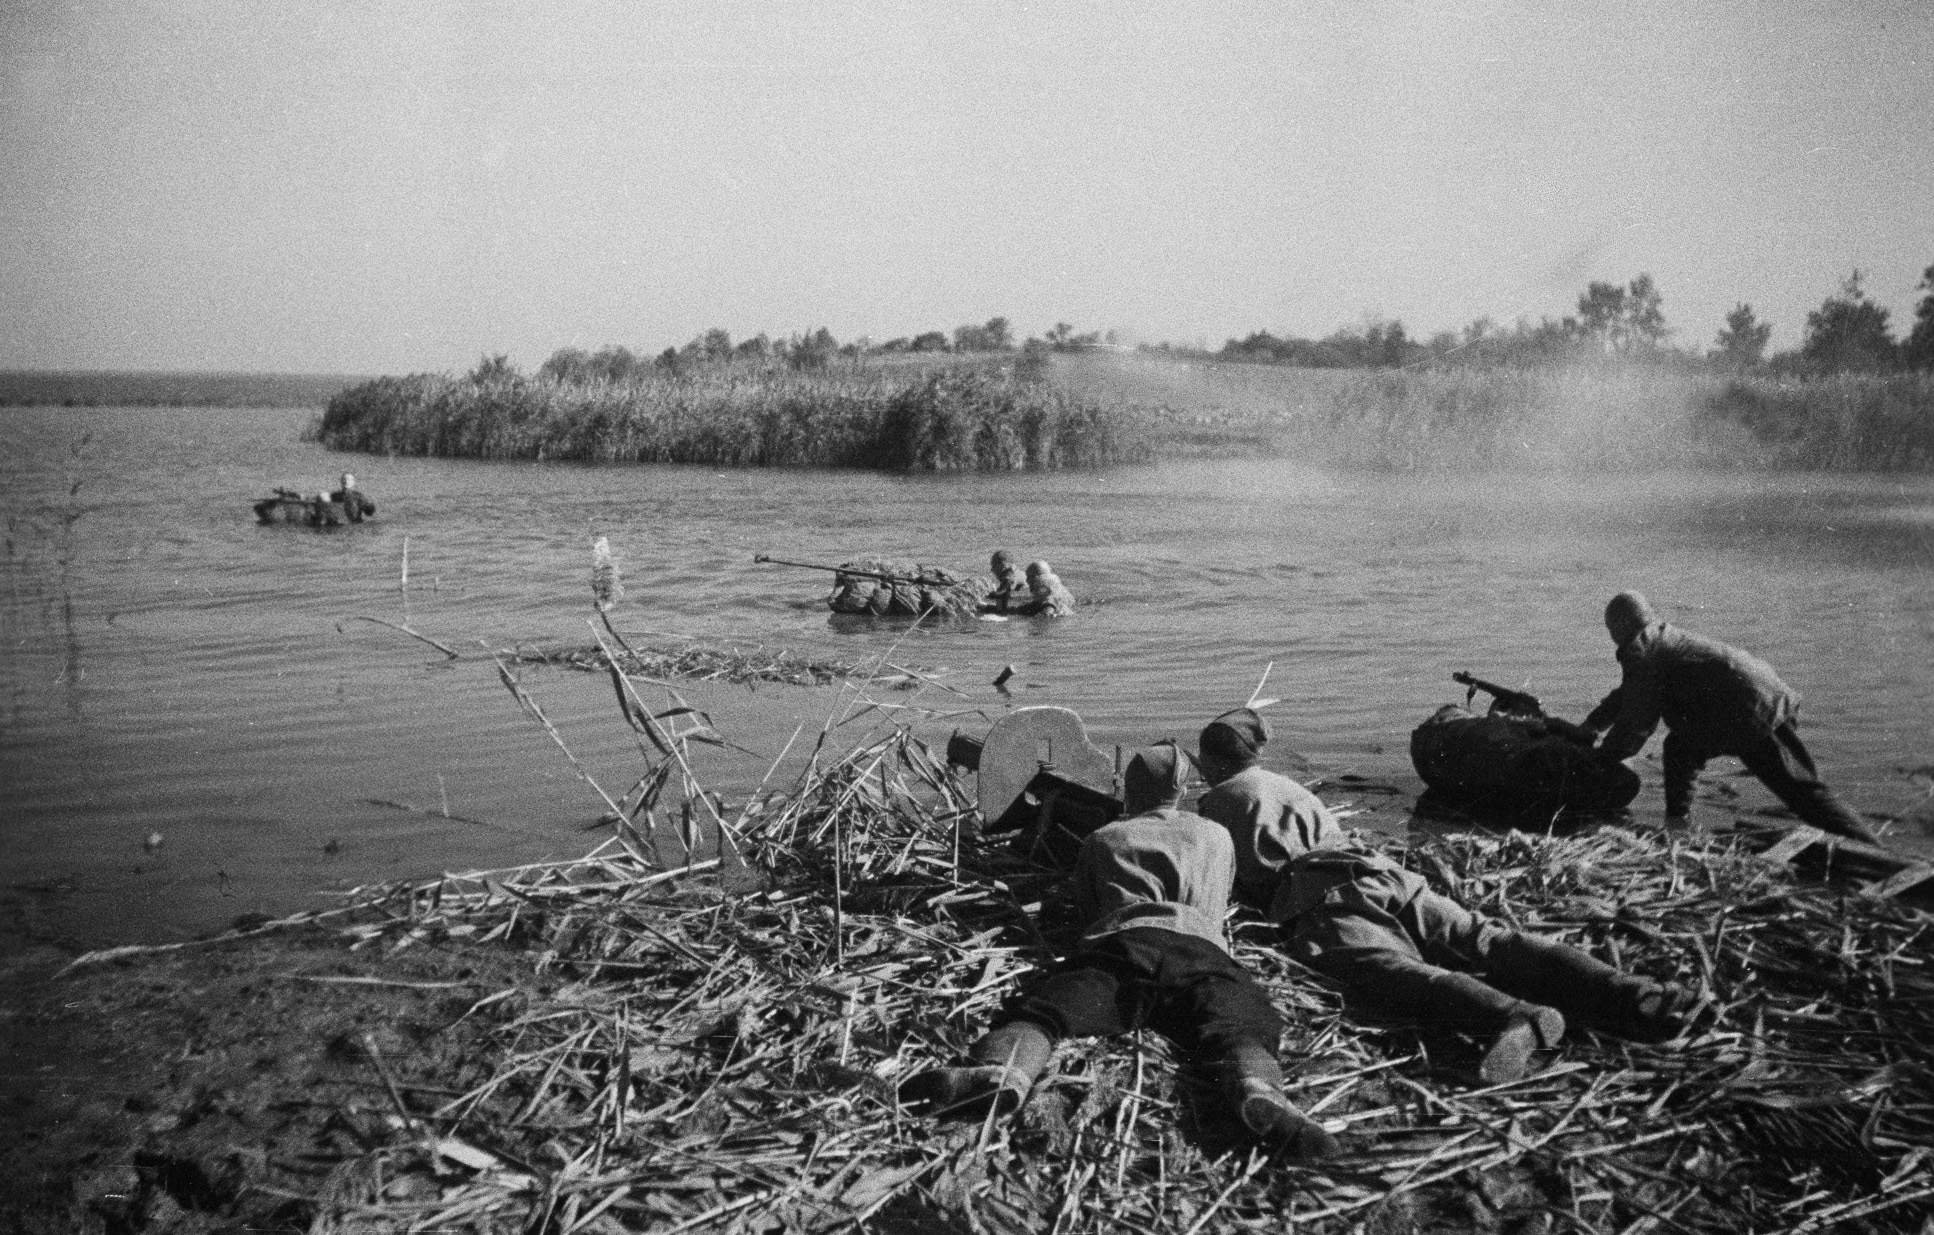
(1557, 419)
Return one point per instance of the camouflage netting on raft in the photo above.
(1511, 765)
(939, 591)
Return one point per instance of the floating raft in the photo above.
(288, 506)
(1510, 765)
(913, 589)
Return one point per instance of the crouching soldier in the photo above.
(1153, 889)
(1715, 700)
(1381, 933)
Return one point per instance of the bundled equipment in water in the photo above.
(1515, 759)
(887, 588)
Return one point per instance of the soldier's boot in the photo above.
(1648, 1011)
(1515, 1028)
(1005, 1062)
(1253, 1082)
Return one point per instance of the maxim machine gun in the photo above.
(1516, 760)
(1040, 777)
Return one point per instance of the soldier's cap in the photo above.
(1002, 559)
(1155, 776)
(1039, 569)
(1627, 613)
(1235, 736)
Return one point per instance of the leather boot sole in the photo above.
(1509, 1054)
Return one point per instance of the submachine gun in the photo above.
(1522, 705)
(1503, 698)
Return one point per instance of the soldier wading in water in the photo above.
(1715, 700)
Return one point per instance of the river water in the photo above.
(195, 723)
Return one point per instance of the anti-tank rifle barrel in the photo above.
(918, 580)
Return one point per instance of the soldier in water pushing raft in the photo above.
(887, 588)
(1715, 700)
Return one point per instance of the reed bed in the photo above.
(699, 662)
(723, 1017)
(1845, 422)
(1102, 410)
(1548, 418)
(1464, 419)
(721, 1000)
(966, 418)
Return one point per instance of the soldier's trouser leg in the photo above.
(1398, 944)
(1782, 764)
(1367, 953)
(1683, 760)
(1587, 990)
(1006, 1061)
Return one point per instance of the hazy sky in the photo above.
(385, 187)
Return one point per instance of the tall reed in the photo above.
(964, 419)
(1549, 418)
(1844, 422)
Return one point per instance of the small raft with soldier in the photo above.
(344, 504)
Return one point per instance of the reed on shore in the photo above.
(725, 996)
(968, 418)
(1843, 422)
(1097, 410)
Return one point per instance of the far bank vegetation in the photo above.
(1603, 388)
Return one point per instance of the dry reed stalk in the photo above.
(722, 1055)
(405, 628)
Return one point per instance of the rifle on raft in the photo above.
(1514, 701)
(916, 580)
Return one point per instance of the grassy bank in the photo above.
(955, 419)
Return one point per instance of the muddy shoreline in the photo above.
(448, 1056)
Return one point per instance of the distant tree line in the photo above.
(1847, 333)
(813, 350)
